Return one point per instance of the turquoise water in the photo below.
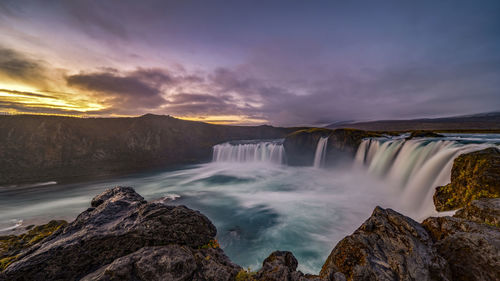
(259, 205)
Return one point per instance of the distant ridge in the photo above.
(481, 121)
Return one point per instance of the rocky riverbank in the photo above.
(37, 148)
(123, 237)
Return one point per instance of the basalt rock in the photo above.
(484, 210)
(474, 175)
(172, 262)
(471, 249)
(12, 245)
(282, 266)
(301, 145)
(37, 148)
(120, 223)
(123, 237)
(388, 246)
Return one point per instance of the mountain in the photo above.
(36, 148)
(482, 121)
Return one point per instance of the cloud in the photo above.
(140, 88)
(194, 104)
(28, 94)
(19, 67)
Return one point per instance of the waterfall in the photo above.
(414, 166)
(320, 155)
(250, 151)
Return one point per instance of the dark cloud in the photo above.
(18, 67)
(289, 62)
(205, 104)
(136, 89)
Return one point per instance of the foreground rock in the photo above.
(115, 233)
(282, 265)
(123, 237)
(474, 175)
(12, 245)
(388, 246)
(484, 210)
(472, 249)
(172, 262)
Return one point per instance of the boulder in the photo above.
(387, 246)
(471, 249)
(474, 175)
(484, 210)
(172, 262)
(281, 266)
(119, 223)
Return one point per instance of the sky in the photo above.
(284, 63)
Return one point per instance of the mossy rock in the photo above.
(474, 175)
(245, 275)
(12, 245)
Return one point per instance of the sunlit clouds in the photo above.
(279, 62)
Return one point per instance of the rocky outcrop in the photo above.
(118, 225)
(423, 134)
(300, 146)
(38, 148)
(12, 245)
(484, 210)
(471, 249)
(123, 237)
(171, 262)
(474, 175)
(388, 246)
(282, 266)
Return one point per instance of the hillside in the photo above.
(36, 148)
(486, 121)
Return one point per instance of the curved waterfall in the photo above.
(416, 166)
(250, 151)
(320, 155)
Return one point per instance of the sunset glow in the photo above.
(298, 64)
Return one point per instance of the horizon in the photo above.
(285, 63)
(223, 122)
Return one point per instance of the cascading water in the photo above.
(250, 151)
(320, 155)
(259, 206)
(416, 166)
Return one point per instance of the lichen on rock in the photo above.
(387, 246)
(119, 224)
(12, 245)
(471, 249)
(474, 175)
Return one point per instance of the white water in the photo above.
(265, 151)
(259, 205)
(415, 166)
(320, 155)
